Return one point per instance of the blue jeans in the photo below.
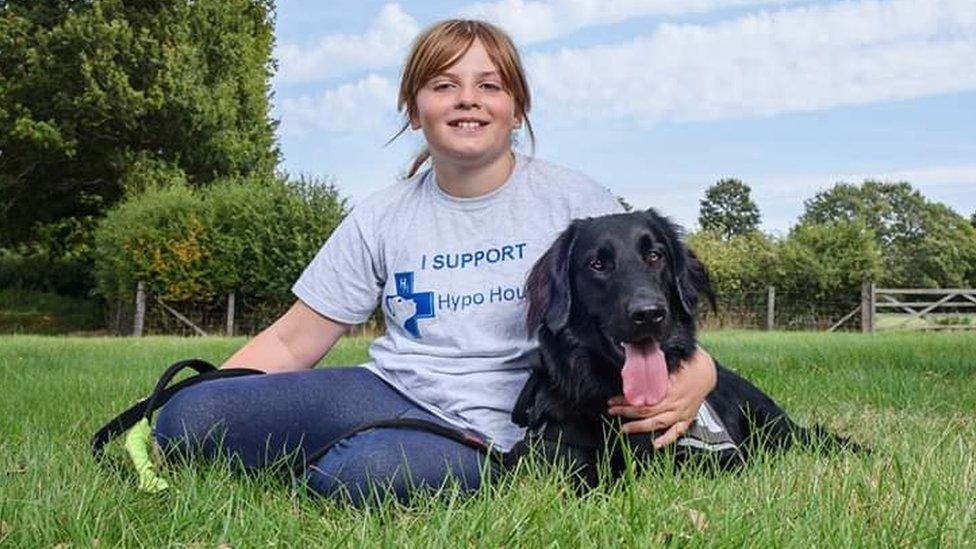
(263, 419)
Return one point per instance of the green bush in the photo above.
(828, 260)
(267, 233)
(742, 263)
(161, 237)
(249, 236)
(817, 260)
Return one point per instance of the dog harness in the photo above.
(707, 434)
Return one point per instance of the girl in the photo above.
(445, 255)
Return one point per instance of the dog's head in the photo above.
(625, 285)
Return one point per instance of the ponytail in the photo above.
(418, 161)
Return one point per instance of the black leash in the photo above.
(160, 396)
(526, 398)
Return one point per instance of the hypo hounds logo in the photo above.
(406, 307)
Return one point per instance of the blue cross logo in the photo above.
(407, 307)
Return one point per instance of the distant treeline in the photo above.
(887, 233)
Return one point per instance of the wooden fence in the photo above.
(233, 314)
(922, 309)
(878, 309)
(883, 309)
(139, 321)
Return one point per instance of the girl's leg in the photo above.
(263, 418)
(374, 463)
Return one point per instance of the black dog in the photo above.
(614, 303)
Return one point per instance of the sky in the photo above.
(659, 99)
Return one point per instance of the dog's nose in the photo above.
(647, 314)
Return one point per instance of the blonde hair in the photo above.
(439, 47)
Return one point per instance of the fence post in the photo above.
(140, 309)
(770, 308)
(230, 314)
(873, 304)
(867, 307)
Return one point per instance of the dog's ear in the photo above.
(689, 274)
(680, 273)
(694, 283)
(548, 287)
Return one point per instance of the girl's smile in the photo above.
(468, 125)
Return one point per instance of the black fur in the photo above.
(583, 294)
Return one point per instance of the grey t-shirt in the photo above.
(448, 273)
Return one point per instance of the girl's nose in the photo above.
(467, 97)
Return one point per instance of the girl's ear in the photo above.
(413, 114)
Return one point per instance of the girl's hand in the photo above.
(687, 389)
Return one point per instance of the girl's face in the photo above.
(466, 113)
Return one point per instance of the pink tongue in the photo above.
(645, 374)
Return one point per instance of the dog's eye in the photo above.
(653, 256)
(598, 264)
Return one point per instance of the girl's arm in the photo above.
(687, 389)
(296, 341)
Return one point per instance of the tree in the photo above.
(922, 243)
(728, 210)
(828, 260)
(96, 95)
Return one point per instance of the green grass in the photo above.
(910, 397)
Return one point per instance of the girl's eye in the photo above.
(653, 256)
(491, 86)
(441, 86)
(598, 265)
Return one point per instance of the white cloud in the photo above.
(366, 104)
(761, 64)
(383, 45)
(538, 21)
(766, 63)
(386, 42)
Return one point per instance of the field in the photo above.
(911, 397)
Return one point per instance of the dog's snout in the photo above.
(646, 313)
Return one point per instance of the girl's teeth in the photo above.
(468, 125)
